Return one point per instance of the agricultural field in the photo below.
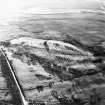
(56, 55)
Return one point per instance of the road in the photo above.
(12, 81)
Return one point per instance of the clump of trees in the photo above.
(5, 44)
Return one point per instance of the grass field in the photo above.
(87, 28)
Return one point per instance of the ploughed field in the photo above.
(56, 55)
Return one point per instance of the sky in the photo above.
(10, 8)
